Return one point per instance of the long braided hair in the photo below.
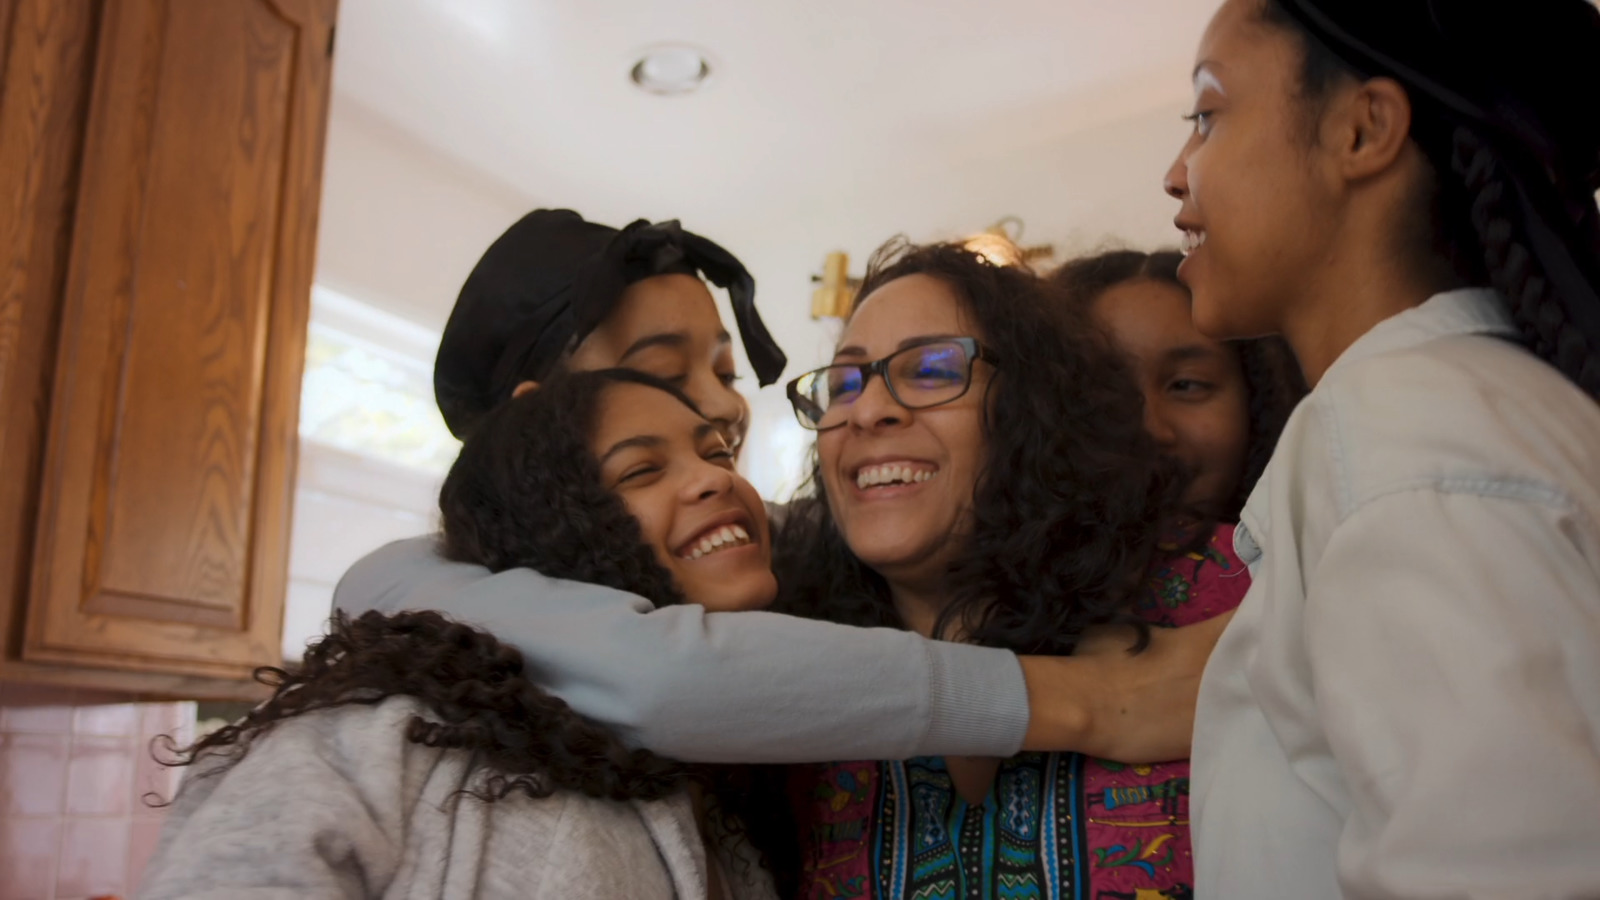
(1506, 104)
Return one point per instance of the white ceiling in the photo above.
(811, 100)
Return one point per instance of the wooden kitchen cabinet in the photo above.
(160, 166)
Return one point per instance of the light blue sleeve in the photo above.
(718, 687)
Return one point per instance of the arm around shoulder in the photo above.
(717, 687)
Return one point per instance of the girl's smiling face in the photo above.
(1196, 401)
(674, 471)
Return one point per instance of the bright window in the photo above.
(364, 394)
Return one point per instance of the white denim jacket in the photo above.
(1408, 701)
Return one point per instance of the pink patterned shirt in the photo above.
(1054, 825)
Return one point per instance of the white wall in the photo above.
(345, 506)
(402, 225)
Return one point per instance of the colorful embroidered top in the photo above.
(1054, 825)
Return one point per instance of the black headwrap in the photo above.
(1520, 78)
(548, 282)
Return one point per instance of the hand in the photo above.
(1111, 703)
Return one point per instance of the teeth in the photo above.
(726, 537)
(893, 473)
(1192, 241)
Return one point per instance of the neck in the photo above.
(1360, 283)
(919, 606)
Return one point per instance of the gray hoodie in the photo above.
(338, 805)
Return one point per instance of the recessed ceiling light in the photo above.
(671, 69)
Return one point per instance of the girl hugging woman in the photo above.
(412, 756)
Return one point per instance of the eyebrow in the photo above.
(644, 440)
(1192, 352)
(1205, 76)
(671, 339)
(651, 441)
(854, 350)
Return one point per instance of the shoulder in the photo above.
(360, 748)
(1192, 586)
(569, 828)
(1457, 414)
(360, 741)
(379, 580)
(411, 574)
(343, 771)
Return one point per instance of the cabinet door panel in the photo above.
(165, 504)
(45, 76)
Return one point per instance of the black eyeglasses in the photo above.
(919, 376)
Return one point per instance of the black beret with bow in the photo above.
(548, 282)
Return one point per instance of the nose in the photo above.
(725, 407)
(706, 480)
(1159, 426)
(1177, 180)
(876, 407)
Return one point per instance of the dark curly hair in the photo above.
(1073, 499)
(481, 693)
(1272, 377)
(525, 492)
(1511, 205)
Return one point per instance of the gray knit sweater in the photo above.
(338, 804)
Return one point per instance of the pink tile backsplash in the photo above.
(74, 766)
(152, 778)
(142, 838)
(33, 774)
(99, 773)
(114, 719)
(94, 857)
(29, 850)
(176, 719)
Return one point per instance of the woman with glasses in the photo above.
(982, 475)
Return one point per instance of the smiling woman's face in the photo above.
(900, 482)
(674, 471)
(1257, 187)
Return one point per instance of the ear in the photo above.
(523, 387)
(1371, 128)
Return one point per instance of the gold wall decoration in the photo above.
(1001, 243)
(836, 295)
